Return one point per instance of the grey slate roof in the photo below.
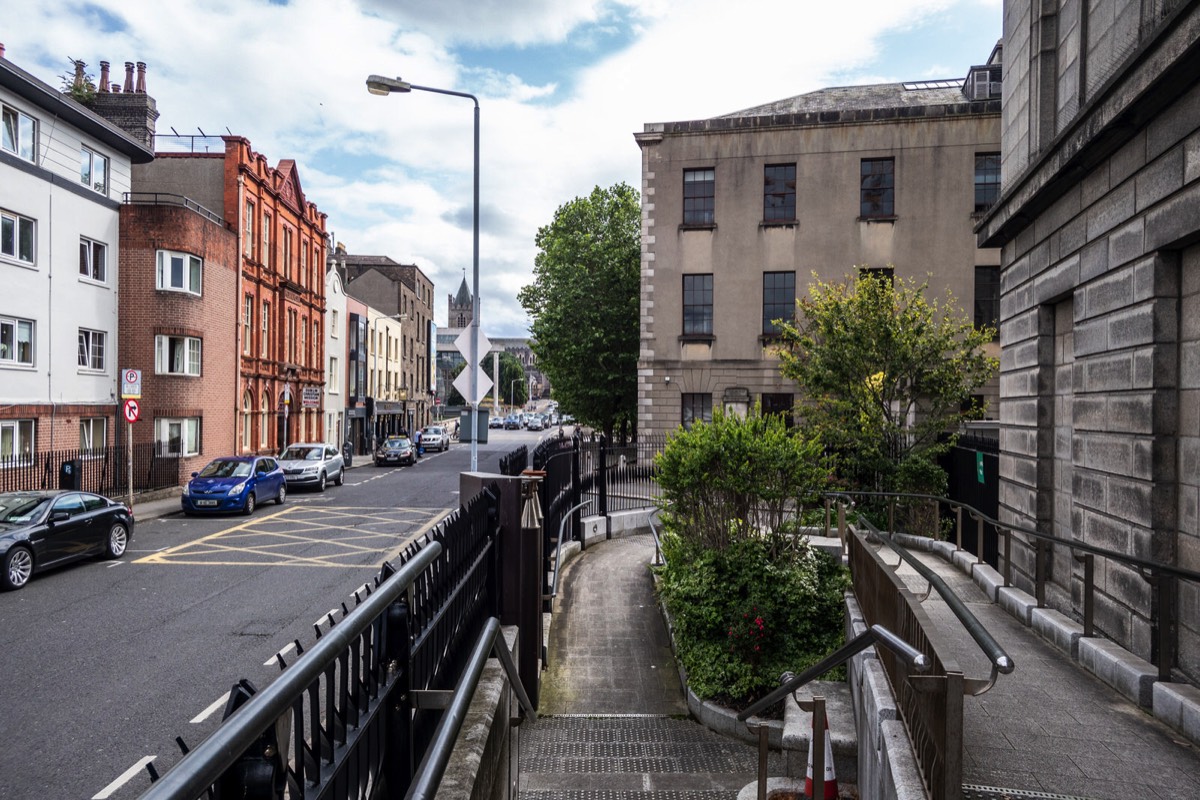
(854, 98)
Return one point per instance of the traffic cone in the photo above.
(831, 787)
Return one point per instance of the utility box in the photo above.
(464, 426)
(69, 475)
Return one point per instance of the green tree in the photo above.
(884, 375)
(512, 379)
(584, 306)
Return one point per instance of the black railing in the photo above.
(513, 462)
(357, 712)
(103, 470)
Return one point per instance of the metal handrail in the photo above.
(660, 558)
(876, 634)
(433, 766)
(208, 761)
(558, 550)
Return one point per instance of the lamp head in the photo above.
(377, 84)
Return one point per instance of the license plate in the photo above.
(206, 502)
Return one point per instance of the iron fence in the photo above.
(513, 463)
(355, 715)
(102, 470)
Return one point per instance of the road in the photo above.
(105, 663)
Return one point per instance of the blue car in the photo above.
(234, 483)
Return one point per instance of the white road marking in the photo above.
(112, 564)
(272, 660)
(208, 712)
(124, 778)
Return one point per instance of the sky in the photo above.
(562, 87)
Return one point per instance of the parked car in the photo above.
(495, 422)
(312, 464)
(44, 529)
(234, 483)
(535, 423)
(396, 450)
(512, 423)
(435, 437)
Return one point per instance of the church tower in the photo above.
(461, 306)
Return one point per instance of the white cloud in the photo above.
(394, 174)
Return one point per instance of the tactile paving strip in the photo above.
(971, 792)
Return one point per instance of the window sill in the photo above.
(18, 263)
(88, 371)
(93, 282)
(697, 338)
(17, 365)
(698, 226)
(779, 223)
(891, 218)
(174, 290)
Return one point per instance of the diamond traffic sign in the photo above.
(463, 343)
(463, 384)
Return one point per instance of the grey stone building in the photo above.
(741, 210)
(1100, 301)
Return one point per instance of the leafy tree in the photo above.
(885, 374)
(584, 305)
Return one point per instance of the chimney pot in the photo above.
(79, 79)
(141, 77)
(128, 76)
(1, 49)
(104, 76)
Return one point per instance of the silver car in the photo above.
(312, 464)
(434, 437)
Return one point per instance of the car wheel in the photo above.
(18, 566)
(341, 478)
(248, 508)
(118, 541)
(282, 494)
(321, 483)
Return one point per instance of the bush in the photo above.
(742, 619)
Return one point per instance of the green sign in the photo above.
(979, 466)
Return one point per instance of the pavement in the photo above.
(613, 722)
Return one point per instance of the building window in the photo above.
(333, 323)
(264, 426)
(887, 274)
(699, 187)
(248, 231)
(176, 355)
(331, 380)
(16, 341)
(303, 351)
(179, 272)
(779, 300)
(20, 134)
(178, 437)
(16, 442)
(779, 192)
(290, 344)
(696, 408)
(93, 169)
(92, 260)
(264, 347)
(877, 193)
(247, 405)
(987, 180)
(266, 240)
(17, 237)
(315, 342)
(987, 297)
(247, 323)
(92, 435)
(780, 404)
(697, 305)
(288, 270)
(91, 349)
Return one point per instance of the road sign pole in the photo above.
(129, 467)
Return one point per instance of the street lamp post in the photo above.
(377, 84)
(375, 363)
(512, 392)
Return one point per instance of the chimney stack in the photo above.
(130, 108)
(103, 76)
(1, 49)
(80, 82)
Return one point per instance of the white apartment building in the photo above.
(63, 172)
(335, 358)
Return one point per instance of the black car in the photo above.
(44, 529)
(396, 450)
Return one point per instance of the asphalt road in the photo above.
(105, 663)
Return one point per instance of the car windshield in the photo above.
(397, 441)
(434, 430)
(302, 454)
(226, 469)
(20, 508)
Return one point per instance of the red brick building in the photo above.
(277, 317)
(179, 289)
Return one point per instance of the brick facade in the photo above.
(148, 312)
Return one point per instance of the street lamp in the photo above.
(377, 84)
(512, 392)
(375, 362)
